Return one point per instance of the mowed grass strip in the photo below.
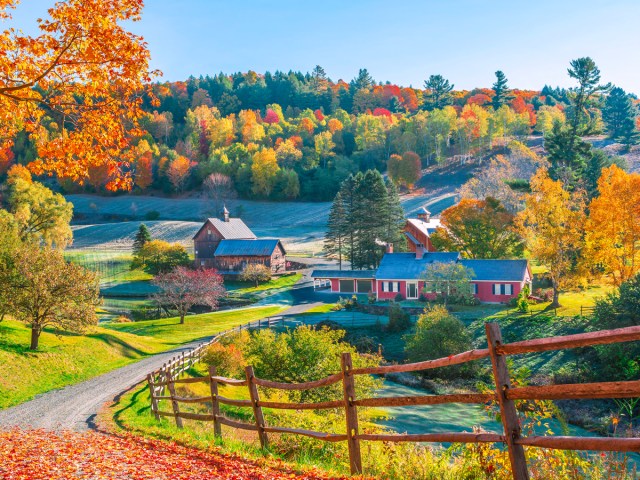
(66, 358)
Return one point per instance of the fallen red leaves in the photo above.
(38, 454)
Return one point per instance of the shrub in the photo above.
(123, 319)
(399, 320)
(152, 215)
(228, 359)
(399, 297)
(522, 302)
(256, 274)
(439, 334)
(371, 298)
(304, 355)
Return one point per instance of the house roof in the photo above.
(250, 248)
(498, 270)
(426, 228)
(411, 238)
(362, 274)
(405, 266)
(235, 228)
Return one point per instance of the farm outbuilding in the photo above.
(228, 245)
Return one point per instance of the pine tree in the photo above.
(336, 237)
(619, 115)
(393, 215)
(439, 94)
(502, 92)
(142, 236)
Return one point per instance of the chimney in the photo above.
(419, 251)
(424, 215)
(225, 213)
(389, 247)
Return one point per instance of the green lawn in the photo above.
(169, 331)
(243, 288)
(65, 358)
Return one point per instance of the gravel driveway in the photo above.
(75, 407)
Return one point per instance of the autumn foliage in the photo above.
(89, 99)
(42, 455)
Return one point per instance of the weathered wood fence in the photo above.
(504, 394)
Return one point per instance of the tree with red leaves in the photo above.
(182, 288)
(271, 117)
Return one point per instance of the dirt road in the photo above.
(75, 407)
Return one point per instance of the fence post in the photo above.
(257, 409)
(508, 412)
(351, 413)
(215, 404)
(154, 400)
(174, 403)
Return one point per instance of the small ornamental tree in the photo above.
(44, 290)
(182, 288)
(256, 274)
(448, 279)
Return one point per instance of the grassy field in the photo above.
(242, 288)
(65, 358)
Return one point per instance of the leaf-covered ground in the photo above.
(38, 454)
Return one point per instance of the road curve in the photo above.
(74, 407)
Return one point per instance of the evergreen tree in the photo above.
(502, 92)
(619, 115)
(568, 154)
(586, 72)
(393, 214)
(337, 230)
(439, 92)
(593, 170)
(365, 215)
(142, 236)
(363, 80)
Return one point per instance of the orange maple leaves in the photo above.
(83, 77)
(37, 454)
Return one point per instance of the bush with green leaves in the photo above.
(439, 334)
(399, 320)
(306, 354)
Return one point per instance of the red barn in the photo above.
(228, 245)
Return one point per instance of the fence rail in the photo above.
(504, 394)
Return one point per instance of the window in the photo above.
(502, 289)
(391, 286)
(474, 288)
(363, 286)
(346, 286)
(202, 263)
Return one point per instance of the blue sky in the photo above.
(403, 41)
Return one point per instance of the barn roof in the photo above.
(235, 228)
(405, 266)
(426, 228)
(263, 247)
(343, 274)
(497, 270)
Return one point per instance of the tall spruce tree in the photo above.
(335, 240)
(393, 216)
(619, 115)
(502, 92)
(365, 215)
(142, 236)
(439, 92)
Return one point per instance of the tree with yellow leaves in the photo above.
(613, 228)
(83, 76)
(263, 171)
(552, 225)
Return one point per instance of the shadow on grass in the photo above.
(127, 349)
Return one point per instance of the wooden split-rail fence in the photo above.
(505, 395)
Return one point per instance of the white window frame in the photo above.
(508, 289)
(474, 288)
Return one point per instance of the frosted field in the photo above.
(300, 225)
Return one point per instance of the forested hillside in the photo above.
(286, 136)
